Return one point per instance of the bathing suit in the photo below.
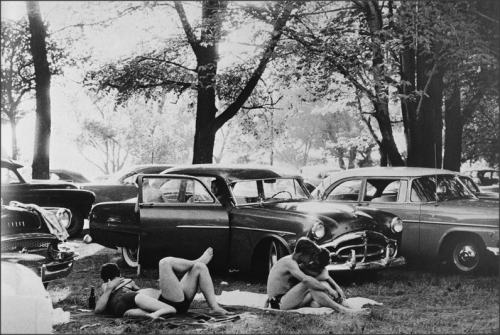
(181, 306)
(274, 302)
(122, 300)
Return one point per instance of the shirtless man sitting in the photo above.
(288, 287)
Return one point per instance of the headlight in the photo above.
(60, 251)
(318, 231)
(397, 225)
(63, 215)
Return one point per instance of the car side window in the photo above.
(162, 190)
(345, 191)
(246, 192)
(382, 190)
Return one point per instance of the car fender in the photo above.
(489, 236)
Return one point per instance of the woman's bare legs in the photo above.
(196, 276)
(149, 307)
(170, 286)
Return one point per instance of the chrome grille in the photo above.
(29, 246)
(365, 246)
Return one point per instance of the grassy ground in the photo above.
(414, 301)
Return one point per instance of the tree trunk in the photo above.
(453, 131)
(408, 105)
(426, 142)
(381, 101)
(15, 149)
(41, 160)
(352, 156)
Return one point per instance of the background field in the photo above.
(414, 301)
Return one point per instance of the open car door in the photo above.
(180, 217)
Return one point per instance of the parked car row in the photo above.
(176, 214)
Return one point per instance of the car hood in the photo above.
(338, 218)
(473, 211)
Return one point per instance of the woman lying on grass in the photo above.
(123, 297)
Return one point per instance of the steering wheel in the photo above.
(291, 196)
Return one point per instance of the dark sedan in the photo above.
(443, 221)
(46, 193)
(25, 232)
(121, 185)
(257, 216)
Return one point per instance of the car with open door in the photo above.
(444, 222)
(255, 218)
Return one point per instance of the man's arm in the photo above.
(106, 289)
(309, 281)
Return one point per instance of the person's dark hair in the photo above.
(109, 271)
(323, 257)
(306, 246)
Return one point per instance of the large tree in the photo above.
(170, 68)
(41, 158)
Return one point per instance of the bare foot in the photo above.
(206, 257)
(153, 316)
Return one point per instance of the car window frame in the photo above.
(330, 188)
(140, 200)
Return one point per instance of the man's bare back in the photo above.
(280, 279)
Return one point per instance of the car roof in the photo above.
(388, 171)
(234, 172)
(11, 163)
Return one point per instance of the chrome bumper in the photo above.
(53, 271)
(381, 264)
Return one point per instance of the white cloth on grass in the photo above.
(259, 300)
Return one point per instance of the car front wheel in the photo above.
(76, 225)
(276, 251)
(130, 256)
(465, 254)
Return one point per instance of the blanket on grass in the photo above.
(196, 318)
(260, 301)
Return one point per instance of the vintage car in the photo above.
(483, 177)
(67, 175)
(443, 221)
(25, 231)
(265, 211)
(46, 193)
(479, 192)
(121, 185)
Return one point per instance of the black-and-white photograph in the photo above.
(250, 167)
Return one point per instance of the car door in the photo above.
(180, 217)
(392, 195)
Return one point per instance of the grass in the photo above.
(414, 301)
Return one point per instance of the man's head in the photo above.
(320, 261)
(217, 187)
(305, 250)
(109, 271)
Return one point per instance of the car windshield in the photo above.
(448, 187)
(268, 190)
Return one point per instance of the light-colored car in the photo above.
(443, 221)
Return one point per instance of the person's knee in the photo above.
(200, 267)
(166, 262)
